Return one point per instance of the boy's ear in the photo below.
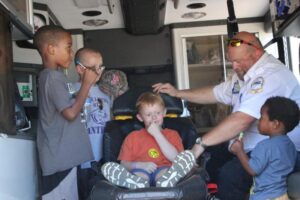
(78, 69)
(51, 49)
(165, 112)
(139, 117)
(276, 124)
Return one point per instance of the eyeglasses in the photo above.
(235, 42)
(94, 68)
(80, 64)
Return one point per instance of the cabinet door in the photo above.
(205, 60)
(207, 66)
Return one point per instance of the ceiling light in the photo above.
(95, 22)
(196, 5)
(193, 15)
(91, 13)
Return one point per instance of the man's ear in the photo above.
(139, 117)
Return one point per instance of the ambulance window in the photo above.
(295, 55)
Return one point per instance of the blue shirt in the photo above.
(272, 160)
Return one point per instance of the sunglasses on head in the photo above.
(234, 42)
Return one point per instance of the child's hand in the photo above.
(237, 146)
(154, 129)
(90, 76)
(147, 166)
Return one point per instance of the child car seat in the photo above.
(192, 187)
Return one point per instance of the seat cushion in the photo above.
(125, 104)
(116, 131)
(191, 188)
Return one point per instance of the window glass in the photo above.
(295, 56)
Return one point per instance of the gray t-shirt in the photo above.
(62, 144)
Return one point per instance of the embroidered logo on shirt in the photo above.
(153, 153)
(257, 85)
(236, 87)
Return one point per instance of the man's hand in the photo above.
(165, 88)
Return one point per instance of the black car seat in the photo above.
(192, 187)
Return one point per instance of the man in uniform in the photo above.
(257, 77)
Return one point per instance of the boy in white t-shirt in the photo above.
(95, 114)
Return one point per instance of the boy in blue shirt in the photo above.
(273, 159)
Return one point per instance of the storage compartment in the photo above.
(18, 169)
(120, 49)
(207, 66)
(143, 16)
(285, 18)
(20, 13)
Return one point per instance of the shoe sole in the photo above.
(182, 165)
(118, 175)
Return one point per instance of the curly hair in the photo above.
(284, 110)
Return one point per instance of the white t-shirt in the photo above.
(266, 78)
(96, 112)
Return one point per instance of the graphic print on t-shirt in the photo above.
(153, 153)
(96, 115)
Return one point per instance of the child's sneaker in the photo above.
(118, 175)
(182, 164)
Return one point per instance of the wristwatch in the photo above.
(199, 141)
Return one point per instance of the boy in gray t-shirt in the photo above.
(61, 138)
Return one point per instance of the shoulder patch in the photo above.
(257, 85)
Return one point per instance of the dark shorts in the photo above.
(61, 185)
(151, 176)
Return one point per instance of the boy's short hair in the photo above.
(284, 110)
(149, 98)
(79, 55)
(48, 34)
